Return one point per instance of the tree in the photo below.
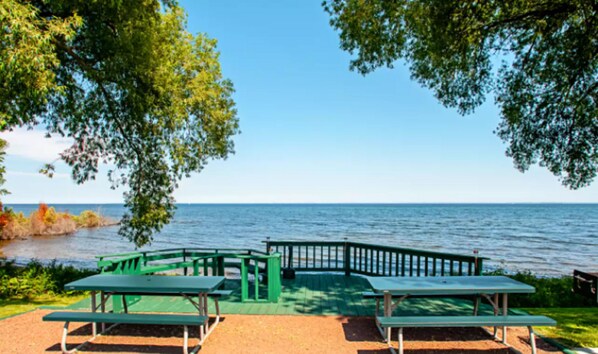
(128, 84)
(539, 58)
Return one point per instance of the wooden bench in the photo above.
(464, 321)
(107, 317)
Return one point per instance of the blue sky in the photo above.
(313, 131)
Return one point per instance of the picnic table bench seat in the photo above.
(465, 321)
(136, 318)
(130, 318)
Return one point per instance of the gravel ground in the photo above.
(27, 333)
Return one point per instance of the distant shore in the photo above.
(47, 221)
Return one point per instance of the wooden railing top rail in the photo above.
(129, 255)
(416, 252)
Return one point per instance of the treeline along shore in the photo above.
(47, 221)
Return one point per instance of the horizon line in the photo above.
(314, 203)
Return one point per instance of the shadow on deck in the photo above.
(307, 294)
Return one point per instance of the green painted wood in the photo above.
(465, 321)
(106, 317)
(454, 285)
(146, 284)
(336, 295)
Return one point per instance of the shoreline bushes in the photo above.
(35, 279)
(550, 292)
(47, 221)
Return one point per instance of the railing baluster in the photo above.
(442, 267)
(383, 263)
(366, 259)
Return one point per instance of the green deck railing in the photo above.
(261, 271)
(374, 260)
(264, 268)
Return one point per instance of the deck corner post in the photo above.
(267, 245)
(479, 266)
(347, 258)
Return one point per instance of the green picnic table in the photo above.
(189, 287)
(489, 287)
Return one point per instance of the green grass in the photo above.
(576, 327)
(10, 307)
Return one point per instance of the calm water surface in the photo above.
(549, 239)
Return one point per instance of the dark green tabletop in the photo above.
(457, 285)
(147, 284)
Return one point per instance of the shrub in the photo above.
(46, 221)
(88, 218)
(18, 226)
(50, 216)
(63, 225)
(37, 279)
(550, 292)
(38, 225)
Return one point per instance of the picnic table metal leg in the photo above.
(185, 340)
(400, 339)
(201, 313)
(505, 310)
(387, 313)
(495, 305)
(125, 306)
(476, 305)
(94, 326)
(103, 308)
(532, 339)
(65, 331)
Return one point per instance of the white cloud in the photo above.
(33, 145)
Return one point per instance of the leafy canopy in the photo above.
(545, 85)
(128, 84)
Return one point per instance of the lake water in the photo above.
(548, 239)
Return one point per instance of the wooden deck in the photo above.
(308, 294)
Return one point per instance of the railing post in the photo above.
(274, 278)
(290, 258)
(220, 262)
(184, 260)
(244, 279)
(267, 245)
(478, 266)
(347, 258)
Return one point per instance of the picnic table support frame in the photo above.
(504, 313)
(94, 326)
